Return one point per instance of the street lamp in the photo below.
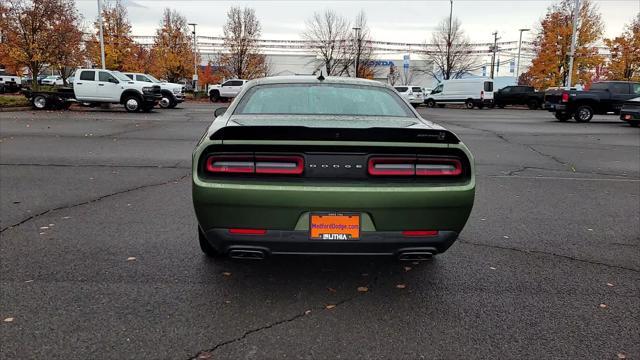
(357, 59)
(101, 36)
(519, 47)
(195, 58)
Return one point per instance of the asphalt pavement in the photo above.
(99, 256)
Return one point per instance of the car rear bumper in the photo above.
(279, 242)
(630, 115)
(552, 107)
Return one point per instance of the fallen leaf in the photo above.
(52, 224)
(131, 258)
(363, 289)
(307, 312)
(41, 233)
(28, 281)
(610, 284)
(329, 307)
(401, 286)
(44, 227)
(226, 273)
(66, 217)
(492, 268)
(589, 229)
(331, 289)
(227, 301)
(505, 236)
(9, 319)
(483, 219)
(603, 306)
(621, 356)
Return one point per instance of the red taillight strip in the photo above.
(420, 233)
(236, 231)
(230, 164)
(565, 97)
(391, 166)
(291, 165)
(438, 167)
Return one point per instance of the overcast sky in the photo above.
(389, 20)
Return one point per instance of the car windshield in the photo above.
(152, 78)
(323, 99)
(120, 76)
(416, 89)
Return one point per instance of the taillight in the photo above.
(249, 164)
(419, 233)
(404, 166)
(565, 97)
(236, 231)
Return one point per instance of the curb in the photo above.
(15, 108)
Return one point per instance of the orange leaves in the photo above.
(172, 51)
(625, 54)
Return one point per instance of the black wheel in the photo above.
(173, 104)
(533, 104)
(206, 248)
(214, 96)
(39, 102)
(583, 113)
(132, 103)
(468, 104)
(562, 116)
(431, 103)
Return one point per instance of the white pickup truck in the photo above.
(228, 89)
(172, 94)
(97, 86)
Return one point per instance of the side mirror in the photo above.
(220, 111)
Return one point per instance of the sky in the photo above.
(389, 20)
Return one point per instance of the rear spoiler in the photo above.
(303, 133)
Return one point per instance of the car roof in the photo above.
(305, 79)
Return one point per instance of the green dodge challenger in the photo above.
(330, 166)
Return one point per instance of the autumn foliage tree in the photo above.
(242, 58)
(118, 44)
(35, 34)
(68, 52)
(208, 75)
(172, 50)
(552, 45)
(625, 54)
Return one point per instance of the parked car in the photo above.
(413, 94)
(602, 98)
(306, 165)
(52, 80)
(10, 83)
(97, 86)
(630, 111)
(518, 95)
(172, 93)
(470, 92)
(226, 90)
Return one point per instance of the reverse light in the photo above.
(236, 231)
(405, 166)
(438, 167)
(230, 164)
(290, 165)
(249, 164)
(419, 233)
(565, 97)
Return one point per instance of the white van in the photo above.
(470, 92)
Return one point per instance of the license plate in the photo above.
(332, 226)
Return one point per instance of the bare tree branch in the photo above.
(449, 51)
(329, 34)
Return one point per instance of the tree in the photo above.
(172, 49)
(328, 35)
(140, 59)
(449, 51)
(118, 44)
(362, 55)
(207, 76)
(67, 50)
(625, 54)
(552, 45)
(242, 58)
(28, 33)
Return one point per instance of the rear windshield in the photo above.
(323, 99)
(488, 86)
(416, 89)
(401, 88)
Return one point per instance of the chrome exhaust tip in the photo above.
(415, 256)
(247, 254)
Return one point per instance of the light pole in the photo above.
(494, 49)
(448, 68)
(101, 36)
(519, 47)
(357, 59)
(195, 58)
(576, 14)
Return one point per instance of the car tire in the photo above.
(562, 117)
(132, 103)
(173, 104)
(583, 113)
(39, 102)
(165, 102)
(214, 96)
(468, 104)
(206, 248)
(533, 104)
(431, 103)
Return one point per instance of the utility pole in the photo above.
(519, 47)
(448, 68)
(494, 50)
(101, 36)
(195, 58)
(357, 59)
(576, 15)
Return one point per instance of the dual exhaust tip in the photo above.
(415, 255)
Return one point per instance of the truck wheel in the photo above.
(39, 102)
(468, 104)
(583, 113)
(132, 103)
(165, 102)
(431, 103)
(214, 96)
(533, 104)
(562, 117)
(173, 104)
